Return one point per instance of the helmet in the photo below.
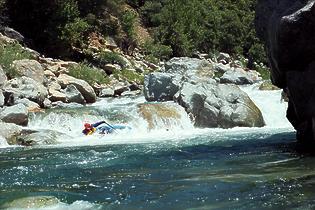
(87, 125)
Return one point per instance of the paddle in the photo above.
(110, 126)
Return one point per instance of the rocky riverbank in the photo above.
(205, 87)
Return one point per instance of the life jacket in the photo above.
(89, 131)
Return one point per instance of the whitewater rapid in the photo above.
(125, 111)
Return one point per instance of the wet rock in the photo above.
(267, 85)
(73, 95)
(60, 104)
(17, 114)
(85, 89)
(160, 86)
(30, 105)
(24, 87)
(30, 68)
(3, 77)
(163, 112)
(219, 105)
(10, 131)
(31, 202)
(47, 103)
(39, 137)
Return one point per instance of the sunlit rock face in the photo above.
(287, 28)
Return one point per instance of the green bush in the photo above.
(89, 74)
(10, 53)
(128, 20)
(156, 50)
(129, 75)
(111, 57)
(74, 33)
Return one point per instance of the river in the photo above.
(174, 166)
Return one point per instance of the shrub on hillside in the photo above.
(157, 50)
(89, 74)
(112, 58)
(10, 53)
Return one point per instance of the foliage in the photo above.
(10, 53)
(128, 23)
(74, 32)
(91, 75)
(129, 75)
(111, 57)
(157, 50)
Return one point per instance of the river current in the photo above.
(174, 166)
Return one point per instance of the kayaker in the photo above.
(102, 129)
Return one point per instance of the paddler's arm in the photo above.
(97, 124)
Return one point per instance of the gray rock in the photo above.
(24, 87)
(218, 105)
(240, 77)
(160, 86)
(107, 92)
(73, 95)
(17, 114)
(224, 58)
(39, 137)
(1, 99)
(31, 202)
(10, 131)
(192, 69)
(30, 105)
(119, 89)
(47, 103)
(85, 89)
(3, 77)
(60, 104)
(30, 68)
(13, 34)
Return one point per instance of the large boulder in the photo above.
(73, 95)
(85, 89)
(219, 105)
(36, 202)
(287, 28)
(160, 86)
(24, 87)
(17, 114)
(30, 68)
(192, 69)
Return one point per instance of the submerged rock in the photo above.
(31, 202)
(39, 137)
(219, 105)
(164, 112)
